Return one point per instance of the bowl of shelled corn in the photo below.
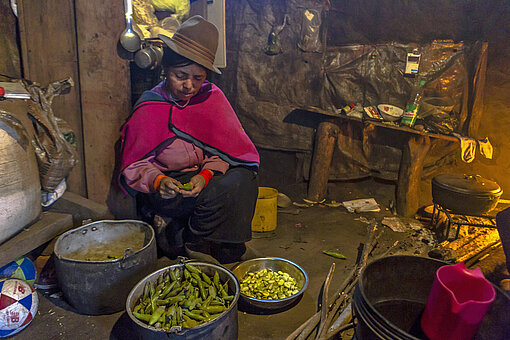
(270, 282)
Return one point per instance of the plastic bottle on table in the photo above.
(412, 108)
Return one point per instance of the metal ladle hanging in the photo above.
(129, 39)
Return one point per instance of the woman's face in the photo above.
(183, 82)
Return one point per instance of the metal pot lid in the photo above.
(467, 184)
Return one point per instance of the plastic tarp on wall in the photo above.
(372, 75)
(266, 89)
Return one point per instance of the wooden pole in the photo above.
(326, 137)
(411, 166)
(478, 92)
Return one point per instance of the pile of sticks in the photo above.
(334, 317)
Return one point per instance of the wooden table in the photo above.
(411, 164)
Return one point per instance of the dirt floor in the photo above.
(301, 236)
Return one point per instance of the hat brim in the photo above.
(181, 50)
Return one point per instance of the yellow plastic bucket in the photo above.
(264, 218)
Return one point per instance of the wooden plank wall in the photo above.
(79, 38)
(10, 64)
(105, 96)
(49, 53)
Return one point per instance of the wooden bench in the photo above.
(49, 225)
(66, 213)
(411, 165)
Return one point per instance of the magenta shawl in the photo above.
(208, 121)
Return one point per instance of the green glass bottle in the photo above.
(412, 108)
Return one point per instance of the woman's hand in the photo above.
(168, 187)
(198, 183)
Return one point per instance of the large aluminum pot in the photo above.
(465, 194)
(95, 282)
(20, 189)
(223, 327)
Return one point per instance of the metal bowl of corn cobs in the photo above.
(270, 283)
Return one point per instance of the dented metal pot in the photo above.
(98, 283)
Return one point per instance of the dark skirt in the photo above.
(222, 212)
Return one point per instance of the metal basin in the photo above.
(92, 282)
(223, 327)
(275, 264)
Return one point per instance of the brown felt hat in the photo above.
(197, 40)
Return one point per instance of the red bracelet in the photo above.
(207, 175)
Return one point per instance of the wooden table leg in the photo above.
(411, 166)
(321, 160)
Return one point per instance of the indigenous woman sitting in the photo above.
(186, 157)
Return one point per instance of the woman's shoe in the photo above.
(168, 237)
(199, 252)
(250, 254)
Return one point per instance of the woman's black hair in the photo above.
(172, 59)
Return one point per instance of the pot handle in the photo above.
(127, 261)
(183, 259)
(475, 178)
(175, 330)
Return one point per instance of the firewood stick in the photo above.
(341, 329)
(338, 304)
(308, 326)
(367, 249)
(324, 303)
(338, 324)
(314, 318)
(339, 297)
(344, 317)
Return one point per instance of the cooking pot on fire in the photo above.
(465, 194)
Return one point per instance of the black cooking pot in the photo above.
(465, 194)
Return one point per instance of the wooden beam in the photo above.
(105, 89)
(198, 7)
(46, 228)
(409, 175)
(478, 92)
(49, 53)
(325, 139)
(10, 63)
